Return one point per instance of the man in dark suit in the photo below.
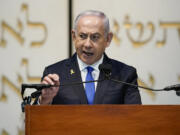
(91, 36)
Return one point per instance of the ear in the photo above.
(73, 35)
(109, 38)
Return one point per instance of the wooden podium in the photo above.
(102, 120)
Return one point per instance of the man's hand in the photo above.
(49, 93)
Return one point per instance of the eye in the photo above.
(95, 37)
(83, 36)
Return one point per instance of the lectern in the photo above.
(102, 120)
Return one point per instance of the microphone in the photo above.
(107, 69)
(173, 87)
(39, 87)
(36, 86)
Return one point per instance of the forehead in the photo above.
(90, 24)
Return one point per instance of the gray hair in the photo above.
(94, 13)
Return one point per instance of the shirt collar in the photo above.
(82, 65)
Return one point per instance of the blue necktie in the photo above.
(90, 87)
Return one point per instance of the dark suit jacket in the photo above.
(107, 92)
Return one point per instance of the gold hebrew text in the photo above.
(7, 82)
(165, 26)
(140, 40)
(163, 41)
(25, 63)
(116, 29)
(4, 132)
(36, 25)
(12, 32)
(152, 82)
(17, 34)
(3, 97)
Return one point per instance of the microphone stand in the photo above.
(107, 76)
(38, 92)
(27, 100)
(39, 87)
(136, 86)
(106, 69)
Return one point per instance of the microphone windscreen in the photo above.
(105, 68)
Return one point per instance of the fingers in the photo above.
(52, 79)
(56, 79)
(49, 93)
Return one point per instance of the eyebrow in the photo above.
(96, 33)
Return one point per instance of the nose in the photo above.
(88, 43)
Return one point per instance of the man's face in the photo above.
(89, 40)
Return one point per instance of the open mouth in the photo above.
(87, 53)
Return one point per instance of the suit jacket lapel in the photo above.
(102, 86)
(75, 76)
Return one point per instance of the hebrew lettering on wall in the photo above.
(7, 33)
(144, 33)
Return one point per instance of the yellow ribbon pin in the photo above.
(72, 71)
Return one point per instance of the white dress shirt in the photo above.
(95, 72)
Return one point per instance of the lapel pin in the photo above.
(72, 71)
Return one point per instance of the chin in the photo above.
(89, 62)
